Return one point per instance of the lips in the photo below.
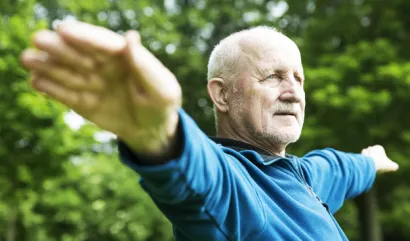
(285, 113)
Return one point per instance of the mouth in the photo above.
(285, 114)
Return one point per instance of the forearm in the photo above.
(157, 146)
(336, 176)
(170, 148)
(192, 173)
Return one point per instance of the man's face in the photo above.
(268, 100)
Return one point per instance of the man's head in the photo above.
(255, 79)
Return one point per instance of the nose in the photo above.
(290, 90)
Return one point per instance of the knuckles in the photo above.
(43, 38)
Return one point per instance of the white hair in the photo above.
(226, 58)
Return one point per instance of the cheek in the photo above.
(252, 105)
(258, 100)
(264, 104)
(269, 97)
(303, 100)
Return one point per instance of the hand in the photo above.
(110, 80)
(382, 162)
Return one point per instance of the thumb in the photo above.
(388, 166)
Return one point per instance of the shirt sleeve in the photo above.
(202, 191)
(336, 176)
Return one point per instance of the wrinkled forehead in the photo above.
(271, 51)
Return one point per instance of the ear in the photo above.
(218, 93)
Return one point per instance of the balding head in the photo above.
(255, 80)
(228, 55)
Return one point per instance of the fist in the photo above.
(382, 162)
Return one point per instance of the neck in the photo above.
(227, 131)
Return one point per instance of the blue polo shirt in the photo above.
(223, 189)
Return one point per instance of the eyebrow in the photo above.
(284, 71)
(280, 67)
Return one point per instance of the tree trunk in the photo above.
(367, 212)
(11, 223)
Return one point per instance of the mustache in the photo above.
(285, 108)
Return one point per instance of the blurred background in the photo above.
(60, 177)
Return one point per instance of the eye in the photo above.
(298, 79)
(273, 76)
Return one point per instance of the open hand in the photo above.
(382, 162)
(109, 79)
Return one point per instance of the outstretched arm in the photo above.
(119, 85)
(336, 176)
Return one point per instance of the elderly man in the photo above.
(238, 186)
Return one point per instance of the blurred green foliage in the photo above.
(60, 184)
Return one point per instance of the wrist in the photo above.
(155, 144)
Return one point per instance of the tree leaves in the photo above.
(357, 69)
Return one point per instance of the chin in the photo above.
(284, 136)
(288, 138)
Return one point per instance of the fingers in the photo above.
(41, 63)
(69, 97)
(387, 166)
(382, 162)
(376, 149)
(150, 73)
(392, 166)
(365, 152)
(92, 38)
(51, 43)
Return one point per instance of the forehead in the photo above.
(271, 51)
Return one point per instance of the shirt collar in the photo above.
(236, 145)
